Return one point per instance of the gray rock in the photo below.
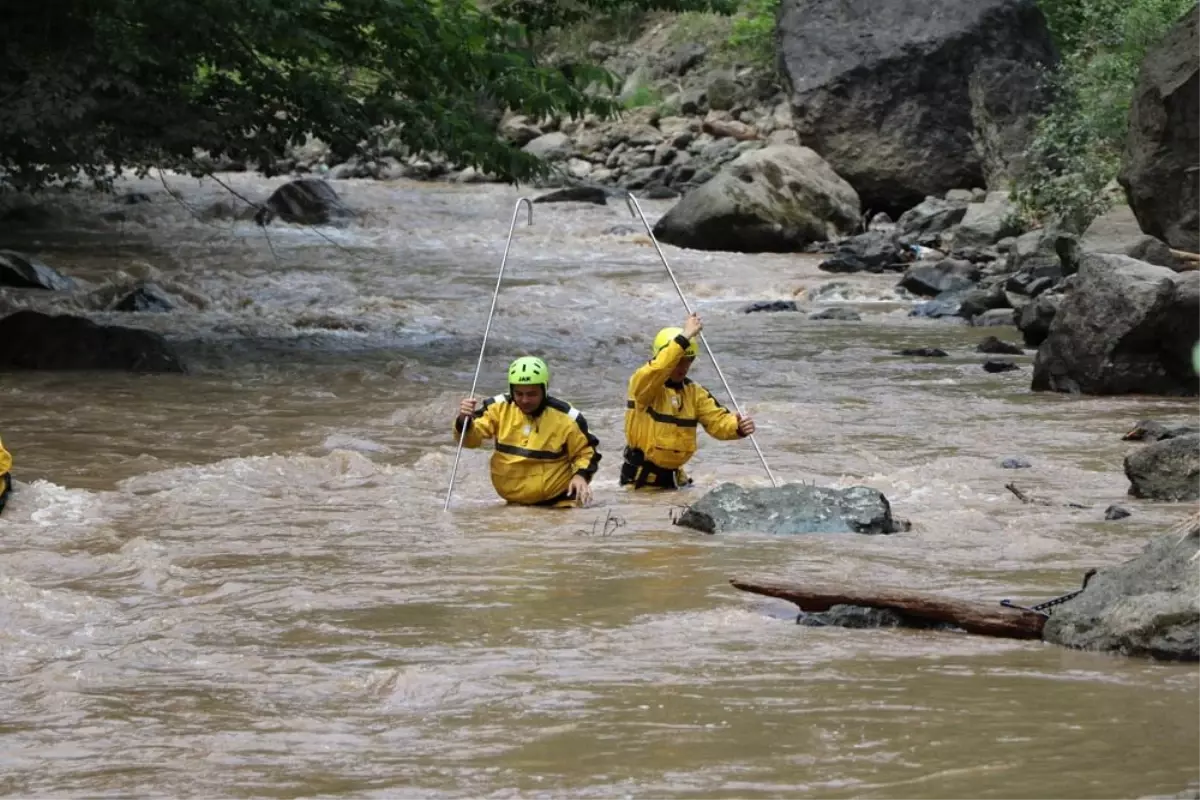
(926, 221)
(946, 304)
(789, 509)
(305, 201)
(911, 98)
(995, 318)
(986, 223)
(843, 616)
(983, 298)
(147, 298)
(1148, 430)
(872, 251)
(1117, 232)
(999, 365)
(1166, 470)
(1015, 463)
(555, 146)
(685, 57)
(836, 313)
(1148, 606)
(924, 352)
(23, 272)
(1158, 169)
(1044, 252)
(997, 347)
(721, 90)
(776, 199)
(575, 194)
(1113, 513)
(1034, 320)
(947, 275)
(770, 305)
(1125, 327)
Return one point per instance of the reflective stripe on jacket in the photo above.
(535, 456)
(661, 416)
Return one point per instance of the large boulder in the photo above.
(775, 199)
(21, 271)
(909, 98)
(32, 340)
(304, 201)
(1118, 232)
(1147, 606)
(1125, 327)
(985, 223)
(791, 508)
(1160, 170)
(1166, 470)
(925, 222)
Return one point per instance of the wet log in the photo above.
(986, 619)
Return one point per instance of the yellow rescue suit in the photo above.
(5, 478)
(536, 455)
(661, 417)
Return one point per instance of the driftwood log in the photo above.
(974, 617)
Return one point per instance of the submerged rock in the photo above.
(23, 272)
(770, 305)
(305, 201)
(844, 616)
(148, 297)
(792, 508)
(32, 340)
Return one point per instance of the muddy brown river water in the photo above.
(240, 582)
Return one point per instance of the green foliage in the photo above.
(1077, 149)
(747, 37)
(698, 26)
(543, 15)
(753, 34)
(91, 88)
(644, 96)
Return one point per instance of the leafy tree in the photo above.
(1077, 149)
(98, 86)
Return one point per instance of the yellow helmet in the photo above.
(529, 371)
(664, 338)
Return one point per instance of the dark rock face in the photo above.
(1158, 169)
(32, 340)
(789, 509)
(911, 98)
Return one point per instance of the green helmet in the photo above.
(529, 371)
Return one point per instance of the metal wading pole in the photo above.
(491, 312)
(633, 204)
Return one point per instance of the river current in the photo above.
(241, 582)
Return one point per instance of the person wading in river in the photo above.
(5, 477)
(663, 409)
(544, 454)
